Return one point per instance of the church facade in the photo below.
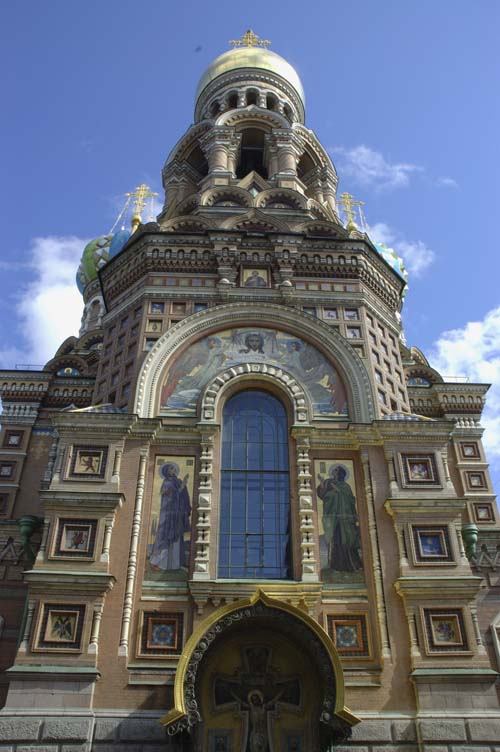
(237, 512)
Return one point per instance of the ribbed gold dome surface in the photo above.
(251, 57)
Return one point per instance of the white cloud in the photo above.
(474, 351)
(447, 182)
(369, 168)
(415, 254)
(49, 306)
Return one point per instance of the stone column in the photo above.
(106, 543)
(403, 559)
(204, 508)
(270, 156)
(217, 145)
(23, 647)
(132, 558)
(308, 530)
(314, 183)
(412, 627)
(115, 478)
(330, 189)
(43, 543)
(376, 566)
(96, 625)
(233, 150)
(448, 481)
(47, 476)
(289, 151)
(59, 464)
(286, 147)
(393, 483)
(477, 632)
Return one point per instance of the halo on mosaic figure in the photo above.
(343, 467)
(164, 468)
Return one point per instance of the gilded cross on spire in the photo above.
(347, 203)
(249, 39)
(142, 192)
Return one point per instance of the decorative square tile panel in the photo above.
(484, 512)
(60, 627)
(419, 470)
(7, 470)
(469, 450)
(349, 634)
(13, 439)
(75, 538)
(445, 630)
(160, 633)
(88, 462)
(431, 544)
(475, 480)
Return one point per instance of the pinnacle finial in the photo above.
(347, 203)
(249, 39)
(141, 192)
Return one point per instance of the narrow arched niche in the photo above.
(251, 153)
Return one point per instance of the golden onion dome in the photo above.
(251, 57)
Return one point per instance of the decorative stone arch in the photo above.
(335, 348)
(67, 347)
(319, 152)
(188, 141)
(257, 221)
(253, 117)
(188, 223)
(285, 382)
(292, 198)
(67, 361)
(237, 194)
(188, 204)
(327, 229)
(334, 721)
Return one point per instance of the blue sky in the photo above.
(404, 94)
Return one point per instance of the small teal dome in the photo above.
(392, 258)
(119, 240)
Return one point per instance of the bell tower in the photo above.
(249, 123)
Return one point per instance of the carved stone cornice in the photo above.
(459, 588)
(51, 582)
(72, 500)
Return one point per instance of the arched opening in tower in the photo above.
(197, 160)
(252, 154)
(305, 165)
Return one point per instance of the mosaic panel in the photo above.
(431, 544)
(160, 633)
(349, 634)
(338, 524)
(75, 538)
(60, 627)
(445, 630)
(88, 462)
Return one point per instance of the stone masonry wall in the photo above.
(142, 733)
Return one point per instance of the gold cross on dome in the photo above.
(347, 203)
(142, 192)
(249, 39)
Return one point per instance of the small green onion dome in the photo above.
(94, 256)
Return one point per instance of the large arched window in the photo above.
(254, 537)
